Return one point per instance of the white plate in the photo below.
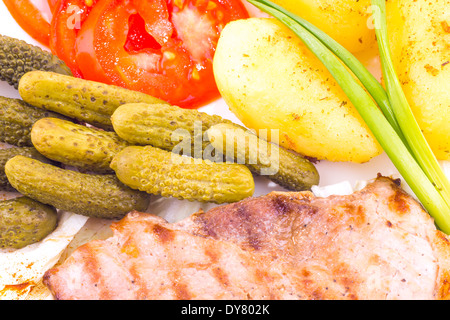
(331, 173)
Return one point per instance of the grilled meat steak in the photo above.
(377, 243)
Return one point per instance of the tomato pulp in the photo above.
(164, 48)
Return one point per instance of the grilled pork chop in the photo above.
(377, 243)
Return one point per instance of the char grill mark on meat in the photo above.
(377, 243)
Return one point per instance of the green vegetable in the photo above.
(86, 148)
(160, 125)
(395, 129)
(16, 119)
(92, 195)
(84, 100)
(164, 173)
(9, 153)
(286, 168)
(24, 221)
(18, 57)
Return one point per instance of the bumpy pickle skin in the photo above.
(163, 126)
(286, 168)
(18, 57)
(92, 195)
(24, 221)
(161, 172)
(88, 101)
(9, 153)
(86, 148)
(16, 120)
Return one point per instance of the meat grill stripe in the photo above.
(377, 243)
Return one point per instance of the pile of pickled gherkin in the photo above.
(100, 150)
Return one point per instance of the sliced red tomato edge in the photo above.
(30, 19)
(96, 68)
(85, 55)
(63, 36)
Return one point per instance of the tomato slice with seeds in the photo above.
(161, 47)
(52, 4)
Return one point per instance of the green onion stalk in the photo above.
(412, 132)
(385, 111)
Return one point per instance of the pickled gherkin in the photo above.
(164, 126)
(164, 173)
(16, 119)
(24, 221)
(6, 154)
(86, 148)
(175, 129)
(88, 101)
(92, 195)
(288, 169)
(18, 57)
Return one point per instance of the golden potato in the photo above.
(419, 33)
(349, 22)
(270, 80)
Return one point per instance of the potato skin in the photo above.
(419, 34)
(347, 21)
(270, 80)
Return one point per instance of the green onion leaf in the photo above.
(402, 111)
(385, 125)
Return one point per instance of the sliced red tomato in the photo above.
(138, 39)
(30, 19)
(68, 16)
(161, 47)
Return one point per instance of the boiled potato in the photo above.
(349, 22)
(270, 80)
(419, 33)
